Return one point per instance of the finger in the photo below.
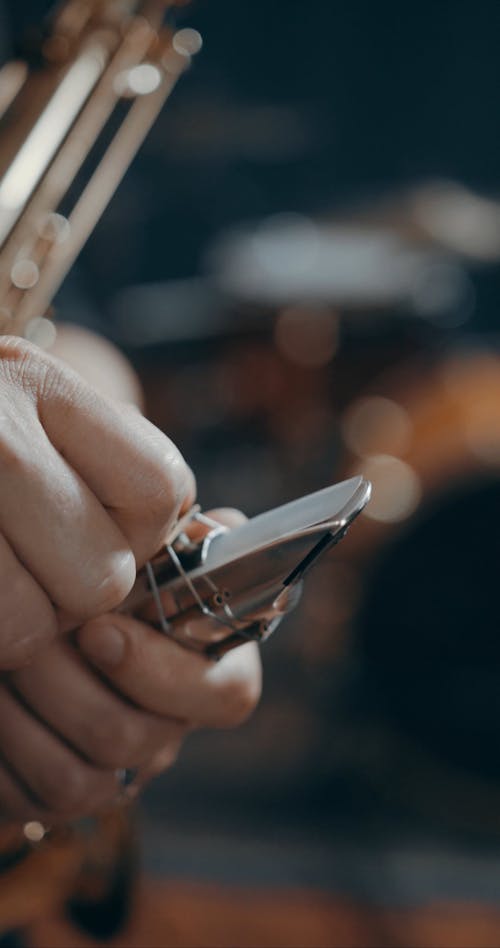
(28, 619)
(54, 523)
(15, 803)
(227, 516)
(159, 675)
(97, 723)
(162, 760)
(144, 606)
(50, 772)
(128, 463)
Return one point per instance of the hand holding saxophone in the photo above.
(119, 696)
(89, 491)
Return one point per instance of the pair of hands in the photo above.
(89, 490)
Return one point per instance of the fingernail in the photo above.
(103, 645)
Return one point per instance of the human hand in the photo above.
(89, 489)
(121, 696)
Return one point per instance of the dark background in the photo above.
(300, 107)
(372, 765)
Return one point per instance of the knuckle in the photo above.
(16, 653)
(169, 484)
(170, 480)
(25, 365)
(16, 357)
(113, 590)
(109, 585)
(119, 743)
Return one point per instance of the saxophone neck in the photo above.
(102, 63)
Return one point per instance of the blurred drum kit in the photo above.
(310, 351)
(316, 350)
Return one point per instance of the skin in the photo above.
(90, 488)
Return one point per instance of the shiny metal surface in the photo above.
(237, 585)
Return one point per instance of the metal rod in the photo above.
(70, 158)
(96, 196)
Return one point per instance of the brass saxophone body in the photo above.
(114, 61)
(101, 61)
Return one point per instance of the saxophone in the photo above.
(101, 64)
(115, 62)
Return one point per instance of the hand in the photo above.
(88, 490)
(123, 696)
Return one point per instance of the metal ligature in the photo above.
(236, 585)
(117, 62)
(71, 121)
(104, 71)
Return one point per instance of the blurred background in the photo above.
(303, 266)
